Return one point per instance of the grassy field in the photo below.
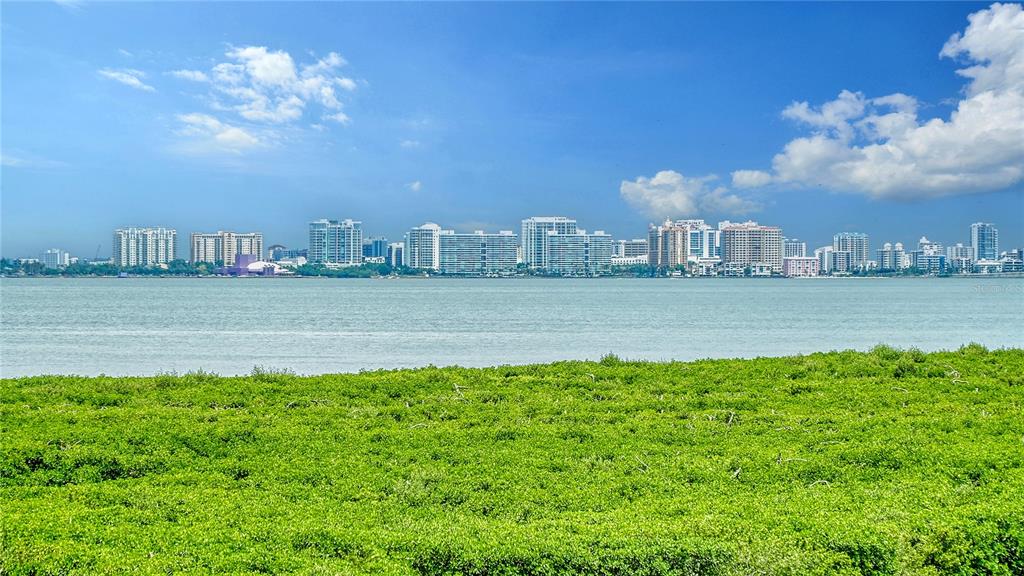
(887, 462)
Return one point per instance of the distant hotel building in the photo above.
(578, 253)
(890, 257)
(929, 257)
(375, 248)
(338, 242)
(144, 246)
(396, 255)
(682, 243)
(984, 241)
(800, 266)
(423, 247)
(477, 253)
(751, 245)
(960, 258)
(534, 237)
(225, 247)
(55, 258)
(856, 245)
(629, 248)
(793, 247)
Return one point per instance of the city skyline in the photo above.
(220, 120)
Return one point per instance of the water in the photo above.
(147, 325)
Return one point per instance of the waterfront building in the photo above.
(278, 252)
(144, 246)
(984, 241)
(842, 262)
(667, 244)
(856, 244)
(375, 248)
(578, 253)
(534, 237)
(749, 244)
(960, 258)
(987, 266)
(55, 258)
(225, 247)
(629, 260)
(825, 261)
(890, 257)
(338, 242)
(800, 266)
(683, 243)
(423, 247)
(793, 247)
(629, 248)
(478, 253)
(1011, 262)
(396, 255)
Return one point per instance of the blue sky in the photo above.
(264, 116)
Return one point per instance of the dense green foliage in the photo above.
(886, 462)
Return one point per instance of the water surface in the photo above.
(229, 325)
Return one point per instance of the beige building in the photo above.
(225, 246)
(748, 244)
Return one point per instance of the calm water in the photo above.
(148, 325)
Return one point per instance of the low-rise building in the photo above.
(800, 266)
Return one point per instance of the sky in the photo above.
(898, 120)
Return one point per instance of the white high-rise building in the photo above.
(225, 247)
(578, 253)
(793, 248)
(338, 242)
(890, 257)
(856, 243)
(682, 242)
(749, 244)
(423, 247)
(534, 236)
(478, 253)
(55, 258)
(144, 246)
(960, 258)
(984, 241)
(629, 248)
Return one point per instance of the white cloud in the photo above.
(211, 135)
(128, 77)
(881, 148)
(670, 194)
(409, 143)
(750, 178)
(193, 75)
(263, 85)
(415, 186)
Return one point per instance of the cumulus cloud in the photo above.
(670, 194)
(415, 186)
(880, 147)
(212, 135)
(193, 75)
(128, 77)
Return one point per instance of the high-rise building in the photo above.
(338, 242)
(578, 253)
(929, 257)
(55, 258)
(682, 242)
(396, 254)
(826, 263)
(960, 258)
(225, 247)
(477, 253)
(629, 248)
(793, 248)
(144, 246)
(984, 241)
(890, 257)
(749, 244)
(856, 243)
(375, 248)
(535, 236)
(667, 244)
(423, 247)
